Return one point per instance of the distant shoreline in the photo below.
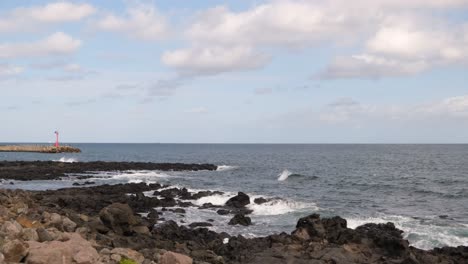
(39, 149)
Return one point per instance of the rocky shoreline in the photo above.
(126, 223)
(51, 170)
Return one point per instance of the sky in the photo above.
(208, 71)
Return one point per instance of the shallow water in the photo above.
(423, 189)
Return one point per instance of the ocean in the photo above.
(422, 189)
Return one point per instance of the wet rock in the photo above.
(119, 217)
(200, 224)
(175, 258)
(240, 219)
(260, 200)
(238, 201)
(312, 225)
(14, 250)
(223, 212)
(179, 211)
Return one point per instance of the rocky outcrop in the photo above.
(101, 225)
(238, 201)
(240, 219)
(50, 170)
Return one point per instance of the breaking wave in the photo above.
(66, 160)
(226, 168)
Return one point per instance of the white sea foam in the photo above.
(217, 199)
(284, 175)
(421, 235)
(66, 160)
(226, 168)
(278, 206)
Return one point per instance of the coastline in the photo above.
(39, 149)
(112, 222)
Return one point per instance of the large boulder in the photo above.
(386, 237)
(240, 219)
(74, 250)
(14, 250)
(310, 227)
(238, 201)
(175, 258)
(119, 217)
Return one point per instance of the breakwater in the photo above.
(39, 149)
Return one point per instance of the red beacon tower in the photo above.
(56, 139)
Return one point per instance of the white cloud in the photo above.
(371, 66)
(58, 43)
(213, 60)
(140, 21)
(31, 17)
(7, 70)
(404, 46)
(304, 24)
(346, 110)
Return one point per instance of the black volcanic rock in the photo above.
(51, 170)
(238, 201)
(240, 219)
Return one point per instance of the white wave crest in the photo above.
(280, 206)
(217, 199)
(421, 235)
(66, 160)
(284, 175)
(226, 168)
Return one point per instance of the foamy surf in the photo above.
(226, 168)
(278, 206)
(66, 160)
(420, 235)
(284, 175)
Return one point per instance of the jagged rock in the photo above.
(223, 212)
(240, 219)
(312, 225)
(14, 250)
(74, 249)
(175, 258)
(119, 217)
(238, 201)
(200, 224)
(260, 200)
(386, 237)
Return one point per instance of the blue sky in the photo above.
(286, 71)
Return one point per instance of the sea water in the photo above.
(423, 189)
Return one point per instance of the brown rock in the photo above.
(29, 234)
(74, 249)
(129, 254)
(175, 258)
(25, 222)
(119, 217)
(14, 251)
